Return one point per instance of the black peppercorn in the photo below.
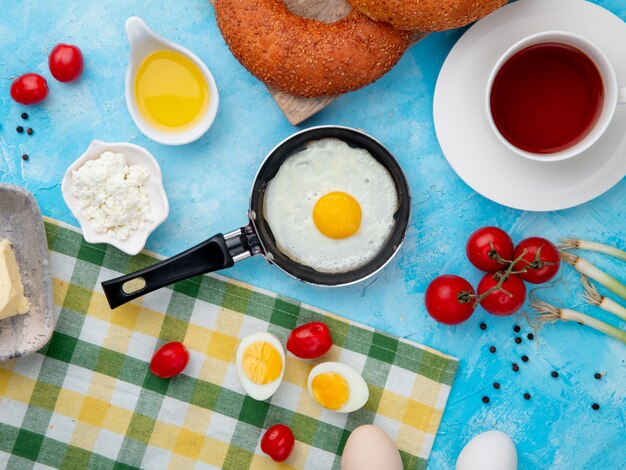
(29, 131)
(492, 349)
(496, 385)
(554, 374)
(515, 367)
(24, 116)
(527, 396)
(595, 406)
(597, 375)
(525, 358)
(483, 326)
(516, 328)
(485, 399)
(531, 336)
(19, 129)
(518, 340)
(25, 157)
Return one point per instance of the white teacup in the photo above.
(613, 93)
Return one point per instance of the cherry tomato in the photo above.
(310, 341)
(487, 246)
(29, 88)
(450, 299)
(169, 360)
(65, 62)
(505, 301)
(541, 261)
(277, 442)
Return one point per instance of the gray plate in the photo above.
(22, 224)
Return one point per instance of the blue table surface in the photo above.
(208, 185)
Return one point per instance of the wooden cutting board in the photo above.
(297, 109)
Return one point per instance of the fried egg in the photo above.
(260, 365)
(337, 387)
(331, 207)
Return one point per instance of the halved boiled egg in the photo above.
(260, 365)
(337, 387)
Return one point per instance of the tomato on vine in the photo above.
(505, 299)
(490, 249)
(450, 299)
(540, 260)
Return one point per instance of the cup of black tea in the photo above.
(552, 95)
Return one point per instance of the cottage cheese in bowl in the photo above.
(112, 195)
(115, 191)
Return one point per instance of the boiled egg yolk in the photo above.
(337, 215)
(331, 390)
(262, 363)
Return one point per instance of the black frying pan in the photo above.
(223, 251)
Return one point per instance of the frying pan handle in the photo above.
(214, 254)
(210, 255)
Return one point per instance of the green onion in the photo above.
(550, 314)
(568, 243)
(593, 297)
(585, 267)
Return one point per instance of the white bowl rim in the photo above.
(137, 241)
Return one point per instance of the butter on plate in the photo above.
(12, 300)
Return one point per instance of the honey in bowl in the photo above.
(171, 92)
(547, 97)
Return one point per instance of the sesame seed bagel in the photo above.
(306, 57)
(426, 15)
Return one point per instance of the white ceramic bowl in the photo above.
(143, 41)
(159, 206)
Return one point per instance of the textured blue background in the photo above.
(208, 184)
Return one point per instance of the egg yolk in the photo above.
(337, 215)
(262, 363)
(331, 390)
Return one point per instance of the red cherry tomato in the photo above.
(541, 261)
(65, 62)
(29, 88)
(486, 246)
(505, 301)
(169, 360)
(277, 442)
(450, 299)
(310, 341)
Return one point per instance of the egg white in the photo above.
(326, 166)
(258, 391)
(359, 392)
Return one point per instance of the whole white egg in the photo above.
(260, 364)
(491, 450)
(337, 387)
(331, 207)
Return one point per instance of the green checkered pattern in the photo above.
(88, 398)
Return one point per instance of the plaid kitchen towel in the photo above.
(88, 398)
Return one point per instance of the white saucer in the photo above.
(468, 142)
